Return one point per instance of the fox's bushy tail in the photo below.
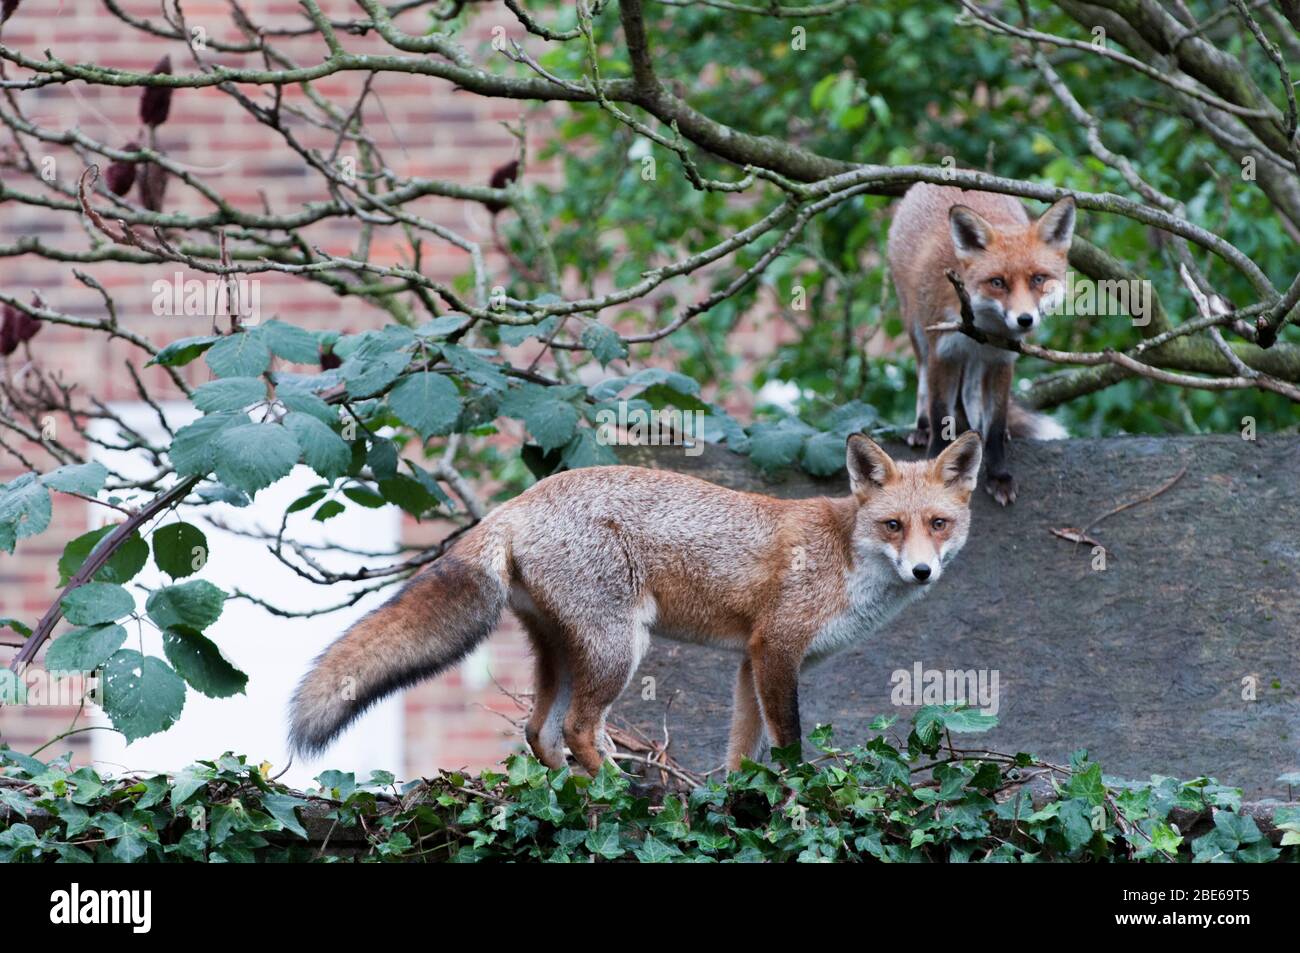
(433, 622)
(1025, 424)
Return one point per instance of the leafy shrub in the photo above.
(918, 800)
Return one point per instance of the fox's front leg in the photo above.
(997, 390)
(746, 719)
(776, 666)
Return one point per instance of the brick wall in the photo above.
(424, 128)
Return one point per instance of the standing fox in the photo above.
(1013, 269)
(595, 561)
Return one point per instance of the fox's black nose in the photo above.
(1025, 320)
(921, 571)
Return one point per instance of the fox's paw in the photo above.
(1002, 488)
(918, 438)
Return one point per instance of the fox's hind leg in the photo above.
(920, 437)
(551, 691)
(604, 657)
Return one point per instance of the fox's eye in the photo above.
(938, 523)
(998, 283)
(892, 525)
(1037, 280)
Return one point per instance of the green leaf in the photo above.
(427, 401)
(194, 605)
(174, 546)
(328, 509)
(141, 695)
(409, 494)
(604, 841)
(97, 602)
(283, 807)
(604, 343)
(243, 354)
(364, 496)
(322, 449)
(654, 851)
(193, 451)
(773, 446)
(584, 450)
(128, 558)
(824, 454)
(229, 393)
(475, 368)
(84, 478)
(442, 325)
(296, 345)
(24, 510)
(304, 401)
(200, 662)
(84, 650)
(253, 456)
(366, 375)
(18, 626)
(184, 350)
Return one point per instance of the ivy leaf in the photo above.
(195, 605)
(84, 650)
(193, 449)
(97, 602)
(141, 695)
(127, 560)
(296, 345)
(184, 350)
(24, 510)
(253, 456)
(283, 808)
(604, 841)
(243, 354)
(229, 393)
(653, 851)
(322, 449)
(84, 478)
(427, 401)
(200, 662)
(174, 548)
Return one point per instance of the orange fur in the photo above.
(595, 561)
(1012, 267)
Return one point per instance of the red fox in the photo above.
(1013, 269)
(595, 561)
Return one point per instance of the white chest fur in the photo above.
(876, 594)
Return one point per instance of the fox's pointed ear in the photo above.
(971, 234)
(870, 467)
(1056, 225)
(959, 465)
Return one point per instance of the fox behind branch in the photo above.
(1013, 267)
(596, 561)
